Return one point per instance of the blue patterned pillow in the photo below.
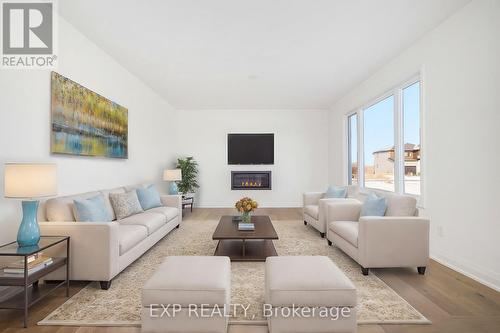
(91, 210)
(374, 206)
(149, 197)
(336, 192)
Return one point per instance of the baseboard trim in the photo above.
(481, 275)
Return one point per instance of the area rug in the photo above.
(121, 304)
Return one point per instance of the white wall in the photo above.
(25, 124)
(300, 153)
(460, 62)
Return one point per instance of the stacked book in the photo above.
(246, 226)
(35, 263)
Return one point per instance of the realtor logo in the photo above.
(28, 34)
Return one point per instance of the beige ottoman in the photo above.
(184, 293)
(308, 294)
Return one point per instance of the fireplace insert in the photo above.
(250, 180)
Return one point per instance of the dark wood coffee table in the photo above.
(254, 245)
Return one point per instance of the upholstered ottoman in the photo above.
(184, 294)
(308, 294)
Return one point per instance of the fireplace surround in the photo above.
(250, 180)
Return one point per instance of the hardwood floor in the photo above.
(452, 301)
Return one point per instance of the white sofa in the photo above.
(314, 208)
(101, 250)
(398, 239)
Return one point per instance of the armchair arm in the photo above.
(393, 241)
(94, 248)
(311, 198)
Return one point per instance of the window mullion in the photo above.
(399, 150)
(361, 149)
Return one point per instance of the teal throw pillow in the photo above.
(374, 206)
(149, 197)
(336, 192)
(91, 210)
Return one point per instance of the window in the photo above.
(389, 145)
(379, 145)
(411, 135)
(353, 149)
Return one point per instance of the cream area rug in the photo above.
(121, 304)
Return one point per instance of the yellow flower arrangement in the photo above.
(246, 205)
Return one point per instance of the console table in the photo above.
(32, 292)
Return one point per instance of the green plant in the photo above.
(189, 170)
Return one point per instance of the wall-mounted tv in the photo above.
(250, 148)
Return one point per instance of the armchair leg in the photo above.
(105, 284)
(365, 271)
(421, 270)
(322, 234)
(329, 242)
(305, 222)
(177, 227)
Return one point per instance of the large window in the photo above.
(353, 149)
(379, 145)
(389, 146)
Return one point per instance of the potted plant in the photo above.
(245, 206)
(189, 170)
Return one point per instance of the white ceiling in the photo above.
(254, 54)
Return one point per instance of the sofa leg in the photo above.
(365, 271)
(329, 242)
(305, 222)
(322, 234)
(177, 227)
(421, 270)
(105, 284)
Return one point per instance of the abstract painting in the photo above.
(85, 123)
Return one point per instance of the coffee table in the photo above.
(255, 245)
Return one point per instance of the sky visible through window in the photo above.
(379, 122)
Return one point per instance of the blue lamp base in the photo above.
(29, 232)
(173, 188)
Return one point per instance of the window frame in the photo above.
(399, 174)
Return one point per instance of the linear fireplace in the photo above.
(250, 180)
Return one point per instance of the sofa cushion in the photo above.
(91, 210)
(152, 221)
(125, 204)
(401, 205)
(130, 236)
(312, 210)
(61, 209)
(169, 212)
(307, 281)
(109, 207)
(348, 230)
(190, 280)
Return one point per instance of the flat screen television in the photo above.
(250, 148)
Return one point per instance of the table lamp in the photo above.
(173, 176)
(29, 181)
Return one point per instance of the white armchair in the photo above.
(399, 239)
(314, 208)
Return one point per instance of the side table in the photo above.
(32, 292)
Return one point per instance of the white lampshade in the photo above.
(172, 175)
(26, 180)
